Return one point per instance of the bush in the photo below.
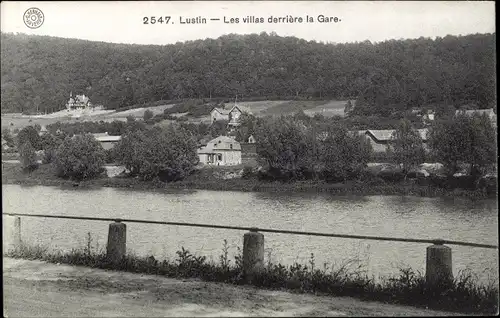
(28, 156)
(247, 172)
(148, 114)
(79, 157)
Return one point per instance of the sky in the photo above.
(123, 22)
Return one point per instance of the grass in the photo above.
(291, 107)
(463, 294)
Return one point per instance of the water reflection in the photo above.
(393, 216)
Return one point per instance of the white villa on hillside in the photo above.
(221, 151)
(80, 102)
(219, 114)
(232, 115)
(235, 113)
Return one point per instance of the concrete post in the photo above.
(438, 270)
(17, 232)
(117, 237)
(253, 254)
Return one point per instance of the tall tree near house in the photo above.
(28, 157)
(80, 157)
(50, 143)
(286, 146)
(407, 147)
(169, 153)
(130, 149)
(483, 145)
(29, 134)
(343, 155)
(464, 140)
(248, 125)
(218, 128)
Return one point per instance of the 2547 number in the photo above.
(154, 20)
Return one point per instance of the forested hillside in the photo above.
(39, 72)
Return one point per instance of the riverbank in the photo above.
(206, 180)
(463, 295)
(36, 288)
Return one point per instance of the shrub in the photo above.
(79, 157)
(28, 156)
(148, 114)
(247, 172)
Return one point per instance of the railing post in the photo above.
(253, 254)
(17, 242)
(117, 237)
(438, 270)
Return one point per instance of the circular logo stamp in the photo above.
(33, 18)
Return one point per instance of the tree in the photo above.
(248, 124)
(348, 107)
(7, 136)
(79, 157)
(50, 143)
(28, 156)
(29, 135)
(343, 155)
(406, 146)
(130, 150)
(411, 72)
(148, 114)
(286, 147)
(218, 128)
(168, 154)
(464, 140)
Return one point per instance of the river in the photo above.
(393, 216)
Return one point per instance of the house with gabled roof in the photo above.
(380, 139)
(488, 112)
(80, 102)
(235, 113)
(107, 141)
(220, 151)
(219, 114)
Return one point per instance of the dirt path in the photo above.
(34, 288)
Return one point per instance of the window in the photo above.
(219, 157)
(230, 146)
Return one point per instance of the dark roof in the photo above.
(222, 111)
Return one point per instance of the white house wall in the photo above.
(231, 158)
